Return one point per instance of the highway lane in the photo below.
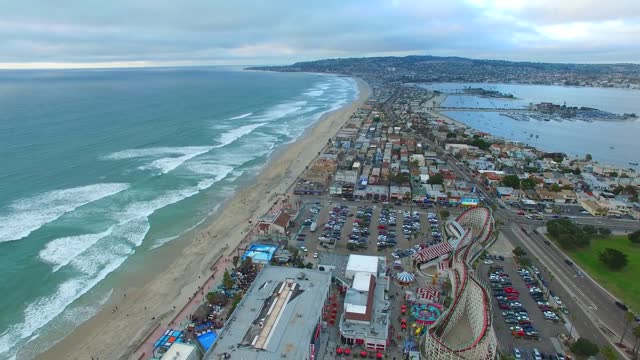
(594, 311)
(590, 300)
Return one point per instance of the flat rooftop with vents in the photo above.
(277, 318)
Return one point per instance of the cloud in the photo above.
(152, 32)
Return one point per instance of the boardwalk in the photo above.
(182, 317)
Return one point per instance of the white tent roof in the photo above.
(363, 263)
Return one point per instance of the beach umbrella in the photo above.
(405, 278)
(379, 355)
(403, 306)
(403, 320)
(339, 351)
(347, 351)
(363, 353)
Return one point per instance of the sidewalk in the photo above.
(182, 317)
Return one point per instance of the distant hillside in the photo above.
(457, 69)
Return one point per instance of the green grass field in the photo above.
(624, 284)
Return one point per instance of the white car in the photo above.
(536, 354)
(488, 262)
(517, 354)
(304, 249)
(557, 299)
(315, 255)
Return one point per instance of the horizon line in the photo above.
(139, 64)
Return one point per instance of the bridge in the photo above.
(465, 330)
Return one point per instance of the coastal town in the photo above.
(320, 180)
(411, 236)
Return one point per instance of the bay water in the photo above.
(609, 142)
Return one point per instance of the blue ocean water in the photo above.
(97, 165)
(610, 142)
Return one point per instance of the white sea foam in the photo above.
(241, 116)
(282, 110)
(94, 263)
(159, 242)
(153, 152)
(170, 163)
(43, 310)
(235, 134)
(314, 93)
(61, 251)
(131, 227)
(166, 158)
(146, 208)
(24, 216)
(125, 238)
(211, 167)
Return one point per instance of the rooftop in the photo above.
(277, 316)
(179, 351)
(370, 310)
(361, 281)
(363, 263)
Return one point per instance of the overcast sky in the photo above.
(64, 33)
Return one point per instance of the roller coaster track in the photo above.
(470, 297)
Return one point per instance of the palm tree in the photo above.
(628, 318)
(636, 334)
(573, 319)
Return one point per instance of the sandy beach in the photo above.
(154, 303)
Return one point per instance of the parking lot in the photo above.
(519, 319)
(373, 229)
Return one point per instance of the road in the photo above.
(593, 308)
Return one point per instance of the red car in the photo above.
(513, 297)
(381, 227)
(504, 307)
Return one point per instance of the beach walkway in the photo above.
(182, 317)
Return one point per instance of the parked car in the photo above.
(622, 306)
(516, 353)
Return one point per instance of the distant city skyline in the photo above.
(119, 33)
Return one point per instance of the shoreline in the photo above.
(144, 308)
(448, 119)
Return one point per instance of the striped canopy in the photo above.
(405, 277)
(432, 252)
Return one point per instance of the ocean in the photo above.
(103, 167)
(609, 142)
